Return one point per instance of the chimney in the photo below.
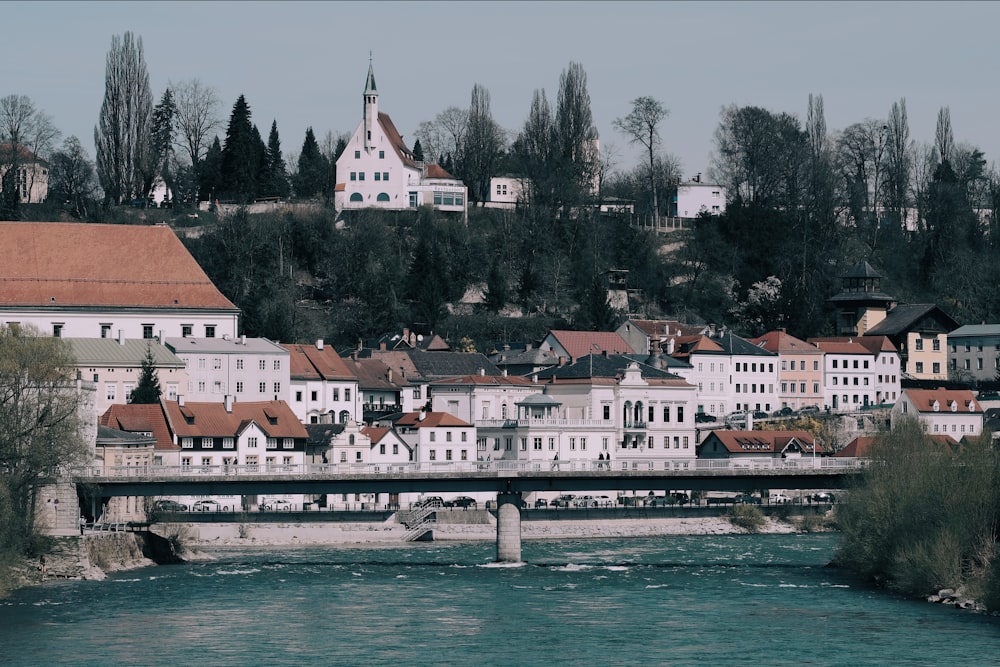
(180, 400)
(422, 415)
(121, 337)
(482, 372)
(243, 339)
(160, 338)
(505, 372)
(562, 361)
(319, 344)
(228, 402)
(388, 375)
(670, 346)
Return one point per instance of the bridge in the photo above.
(508, 479)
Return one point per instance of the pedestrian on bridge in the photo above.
(83, 524)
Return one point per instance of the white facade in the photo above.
(145, 323)
(248, 369)
(848, 379)
(755, 382)
(955, 413)
(505, 192)
(711, 373)
(694, 198)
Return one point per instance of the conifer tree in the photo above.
(312, 168)
(239, 154)
(277, 174)
(418, 151)
(148, 389)
(210, 172)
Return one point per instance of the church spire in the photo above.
(370, 105)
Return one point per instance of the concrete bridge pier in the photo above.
(509, 527)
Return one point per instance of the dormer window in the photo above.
(954, 406)
(935, 406)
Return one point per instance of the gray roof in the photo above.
(439, 365)
(911, 316)
(736, 345)
(598, 365)
(112, 437)
(538, 399)
(240, 345)
(976, 330)
(129, 352)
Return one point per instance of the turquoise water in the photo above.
(702, 600)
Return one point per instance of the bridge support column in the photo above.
(509, 527)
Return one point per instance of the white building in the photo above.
(104, 281)
(322, 387)
(694, 198)
(952, 412)
(378, 170)
(248, 369)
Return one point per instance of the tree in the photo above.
(240, 154)
(39, 426)
(642, 126)
(313, 167)
(148, 390)
(444, 135)
(575, 138)
(944, 139)
(25, 133)
(71, 177)
(210, 173)
(276, 184)
(162, 139)
(418, 151)
(898, 162)
(123, 131)
(483, 144)
(197, 117)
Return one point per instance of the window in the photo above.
(147, 331)
(395, 449)
(298, 397)
(239, 364)
(357, 155)
(262, 387)
(209, 331)
(277, 364)
(433, 436)
(447, 452)
(271, 443)
(288, 443)
(227, 443)
(816, 365)
(607, 412)
(680, 413)
(252, 442)
(447, 436)
(652, 414)
(347, 394)
(336, 394)
(381, 155)
(378, 175)
(979, 363)
(433, 455)
(186, 330)
(216, 363)
(361, 175)
(105, 330)
(110, 391)
(382, 196)
(57, 330)
(261, 364)
(552, 444)
(239, 387)
(936, 345)
(201, 362)
(583, 444)
(343, 457)
(207, 443)
(385, 176)
(666, 413)
(572, 443)
(187, 443)
(919, 344)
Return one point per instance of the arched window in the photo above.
(344, 416)
(382, 197)
(357, 197)
(350, 439)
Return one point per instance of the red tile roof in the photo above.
(211, 419)
(581, 343)
(430, 420)
(764, 442)
(780, 341)
(120, 266)
(148, 418)
(436, 171)
(658, 329)
(396, 140)
(375, 433)
(307, 362)
(924, 400)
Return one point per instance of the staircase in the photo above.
(419, 522)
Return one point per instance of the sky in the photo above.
(303, 64)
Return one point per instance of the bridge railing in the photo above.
(500, 467)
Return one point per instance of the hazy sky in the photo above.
(304, 64)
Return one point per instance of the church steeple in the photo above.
(370, 106)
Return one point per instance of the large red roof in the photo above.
(140, 418)
(581, 343)
(211, 419)
(308, 362)
(59, 264)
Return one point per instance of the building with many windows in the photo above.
(248, 369)
(378, 170)
(800, 369)
(322, 387)
(974, 352)
(952, 412)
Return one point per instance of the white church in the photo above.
(378, 170)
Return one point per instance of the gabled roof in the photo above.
(781, 342)
(274, 418)
(376, 433)
(140, 418)
(57, 264)
(112, 437)
(913, 317)
(658, 329)
(429, 420)
(582, 343)
(611, 367)
(841, 345)
(24, 155)
(373, 375)
(309, 362)
(439, 365)
(765, 442)
(485, 381)
(976, 330)
(130, 352)
(925, 399)
(396, 141)
(734, 345)
(861, 446)
(321, 434)
(685, 346)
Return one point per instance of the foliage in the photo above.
(72, 179)
(924, 517)
(196, 113)
(240, 155)
(125, 156)
(313, 166)
(275, 182)
(147, 390)
(39, 426)
(642, 126)
(748, 517)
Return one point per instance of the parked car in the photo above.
(736, 419)
(783, 412)
(779, 499)
(809, 409)
(429, 501)
(206, 506)
(746, 499)
(278, 505)
(703, 418)
(169, 506)
(759, 414)
(541, 502)
(823, 497)
(565, 500)
(586, 501)
(464, 502)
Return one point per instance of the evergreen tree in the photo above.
(277, 174)
(210, 173)
(496, 288)
(418, 151)
(148, 390)
(239, 155)
(260, 160)
(162, 139)
(312, 168)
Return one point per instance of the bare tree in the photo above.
(898, 160)
(71, 176)
(29, 134)
(944, 139)
(642, 126)
(444, 135)
(575, 137)
(123, 132)
(484, 140)
(196, 116)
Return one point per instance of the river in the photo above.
(698, 600)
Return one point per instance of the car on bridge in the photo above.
(207, 506)
(565, 500)
(779, 499)
(823, 497)
(541, 503)
(746, 499)
(169, 506)
(783, 412)
(278, 505)
(464, 502)
(703, 418)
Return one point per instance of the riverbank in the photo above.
(390, 532)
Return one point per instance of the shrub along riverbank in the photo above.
(924, 516)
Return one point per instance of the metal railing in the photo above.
(498, 467)
(418, 521)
